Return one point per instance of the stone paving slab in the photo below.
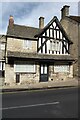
(41, 85)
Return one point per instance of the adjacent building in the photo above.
(2, 58)
(71, 25)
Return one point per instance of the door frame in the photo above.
(47, 75)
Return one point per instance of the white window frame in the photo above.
(55, 45)
(27, 44)
(2, 46)
(61, 69)
(27, 65)
(0, 66)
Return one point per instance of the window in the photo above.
(24, 67)
(0, 66)
(2, 46)
(61, 68)
(55, 45)
(27, 44)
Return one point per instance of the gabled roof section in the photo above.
(22, 31)
(75, 18)
(55, 19)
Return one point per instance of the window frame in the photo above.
(0, 66)
(67, 70)
(2, 46)
(27, 44)
(27, 64)
(55, 45)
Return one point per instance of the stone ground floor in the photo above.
(30, 72)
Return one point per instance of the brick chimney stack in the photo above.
(11, 21)
(65, 11)
(41, 22)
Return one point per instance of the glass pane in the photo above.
(41, 69)
(0, 65)
(62, 68)
(25, 68)
(2, 46)
(45, 69)
(27, 43)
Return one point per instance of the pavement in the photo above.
(40, 85)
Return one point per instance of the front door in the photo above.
(43, 73)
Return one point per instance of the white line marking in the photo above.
(53, 103)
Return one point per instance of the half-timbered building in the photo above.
(37, 54)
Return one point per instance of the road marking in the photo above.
(53, 103)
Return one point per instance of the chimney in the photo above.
(41, 22)
(11, 21)
(65, 11)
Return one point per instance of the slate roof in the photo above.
(75, 18)
(22, 31)
(38, 56)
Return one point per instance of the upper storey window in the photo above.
(2, 46)
(27, 44)
(55, 45)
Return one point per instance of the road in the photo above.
(58, 103)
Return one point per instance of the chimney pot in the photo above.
(41, 22)
(11, 21)
(65, 11)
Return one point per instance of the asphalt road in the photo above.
(60, 103)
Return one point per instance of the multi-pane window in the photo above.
(0, 65)
(61, 68)
(24, 67)
(2, 46)
(55, 45)
(27, 44)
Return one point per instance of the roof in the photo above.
(59, 25)
(75, 18)
(38, 56)
(22, 31)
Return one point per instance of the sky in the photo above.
(28, 13)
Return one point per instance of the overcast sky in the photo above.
(28, 13)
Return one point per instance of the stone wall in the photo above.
(71, 28)
(10, 76)
(60, 76)
(14, 44)
(27, 78)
